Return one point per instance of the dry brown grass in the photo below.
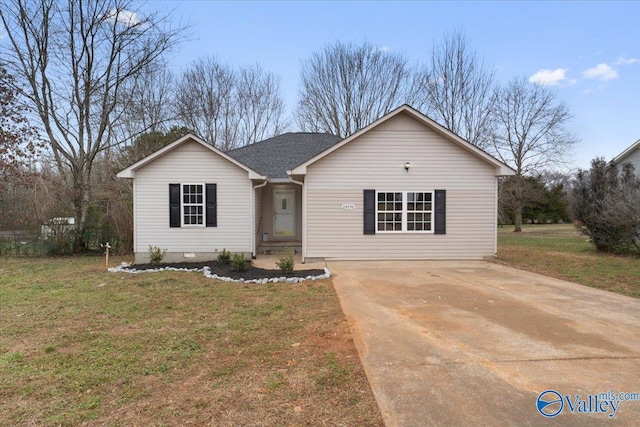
(79, 345)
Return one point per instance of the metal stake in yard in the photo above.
(107, 247)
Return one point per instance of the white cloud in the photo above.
(549, 77)
(601, 71)
(124, 16)
(624, 61)
(384, 49)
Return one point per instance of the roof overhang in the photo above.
(620, 157)
(130, 172)
(501, 168)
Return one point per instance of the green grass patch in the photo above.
(79, 345)
(561, 251)
(334, 373)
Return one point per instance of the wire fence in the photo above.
(26, 243)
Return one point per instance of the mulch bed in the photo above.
(223, 270)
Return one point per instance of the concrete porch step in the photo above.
(279, 247)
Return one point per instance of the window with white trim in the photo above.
(389, 211)
(419, 211)
(193, 204)
(404, 211)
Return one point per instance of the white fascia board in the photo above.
(626, 152)
(129, 172)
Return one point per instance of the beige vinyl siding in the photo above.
(376, 161)
(267, 211)
(193, 164)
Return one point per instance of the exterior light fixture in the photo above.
(407, 166)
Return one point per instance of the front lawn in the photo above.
(80, 345)
(560, 251)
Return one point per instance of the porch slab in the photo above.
(269, 262)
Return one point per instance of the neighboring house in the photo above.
(630, 155)
(403, 187)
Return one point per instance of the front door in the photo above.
(284, 215)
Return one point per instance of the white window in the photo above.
(193, 204)
(389, 211)
(419, 211)
(404, 211)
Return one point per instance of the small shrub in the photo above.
(286, 262)
(239, 262)
(156, 255)
(224, 257)
(57, 237)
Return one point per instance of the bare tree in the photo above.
(204, 102)
(529, 134)
(455, 89)
(150, 100)
(345, 87)
(260, 105)
(77, 62)
(229, 108)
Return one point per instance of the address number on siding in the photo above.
(348, 206)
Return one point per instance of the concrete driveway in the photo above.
(475, 343)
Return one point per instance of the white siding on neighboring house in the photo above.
(194, 164)
(630, 155)
(375, 161)
(634, 159)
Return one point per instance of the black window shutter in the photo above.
(212, 205)
(174, 205)
(441, 212)
(369, 211)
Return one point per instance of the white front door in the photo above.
(284, 215)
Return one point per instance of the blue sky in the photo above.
(588, 52)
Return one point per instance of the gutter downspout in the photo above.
(253, 220)
(304, 215)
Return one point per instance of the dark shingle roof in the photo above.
(273, 157)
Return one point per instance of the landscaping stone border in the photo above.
(125, 268)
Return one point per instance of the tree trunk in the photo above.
(81, 201)
(78, 236)
(518, 220)
(518, 202)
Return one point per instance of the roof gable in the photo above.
(129, 172)
(501, 168)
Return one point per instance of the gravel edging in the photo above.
(126, 268)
